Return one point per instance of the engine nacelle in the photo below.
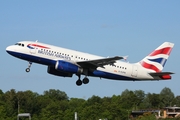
(53, 71)
(67, 67)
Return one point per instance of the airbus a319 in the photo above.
(65, 62)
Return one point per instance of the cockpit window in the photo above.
(20, 44)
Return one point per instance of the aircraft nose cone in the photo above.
(9, 49)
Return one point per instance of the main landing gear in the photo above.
(29, 66)
(79, 81)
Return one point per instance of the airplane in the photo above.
(65, 62)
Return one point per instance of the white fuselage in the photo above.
(50, 54)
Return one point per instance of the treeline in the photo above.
(56, 105)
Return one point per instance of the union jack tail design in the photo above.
(157, 59)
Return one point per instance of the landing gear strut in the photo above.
(79, 81)
(29, 66)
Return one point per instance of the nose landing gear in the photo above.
(29, 66)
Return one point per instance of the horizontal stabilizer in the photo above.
(162, 75)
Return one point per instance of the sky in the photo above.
(100, 27)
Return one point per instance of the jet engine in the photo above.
(67, 67)
(53, 71)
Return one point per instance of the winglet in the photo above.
(125, 58)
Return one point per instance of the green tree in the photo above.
(94, 99)
(176, 101)
(128, 100)
(140, 96)
(2, 106)
(91, 112)
(166, 96)
(154, 100)
(11, 104)
(55, 104)
(76, 105)
(56, 94)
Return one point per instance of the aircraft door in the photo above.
(134, 71)
(33, 50)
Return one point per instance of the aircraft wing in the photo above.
(99, 62)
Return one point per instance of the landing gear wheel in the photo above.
(27, 69)
(29, 66)
(85, 80)
(78, 82)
